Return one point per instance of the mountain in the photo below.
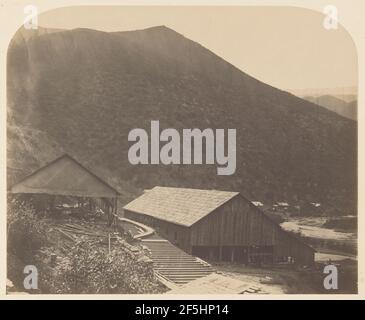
(86, 89)
(23, 35)
(335, 104)
(347, 97)
(347, 94)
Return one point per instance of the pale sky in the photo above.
(287, 48)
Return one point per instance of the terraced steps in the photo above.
(174, 264)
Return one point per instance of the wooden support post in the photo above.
(53, 259)
(115, 210)
(211, 253)
(220, 253)
(51, 201)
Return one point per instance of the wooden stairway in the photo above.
(174, 264)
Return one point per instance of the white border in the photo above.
(11, 17)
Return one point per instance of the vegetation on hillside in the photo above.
(86, 89)
(343, 224)
(85, 267)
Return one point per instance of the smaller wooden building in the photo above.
(66, 177)
(217, 225)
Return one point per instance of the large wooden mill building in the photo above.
(217, 225)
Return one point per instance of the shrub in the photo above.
(26, 232)
(89, 268)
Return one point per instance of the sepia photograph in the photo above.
(182, 150)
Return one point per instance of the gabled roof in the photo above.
(65, 176)
(179, 205)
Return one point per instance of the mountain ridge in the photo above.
(335, 104)
(88, 89)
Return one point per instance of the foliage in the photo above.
(89, 268)
(87, 102)
(26, 232)
(344, 224)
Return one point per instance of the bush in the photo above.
(343, 224)
(86, 267)
(26, 232)
(89, 268)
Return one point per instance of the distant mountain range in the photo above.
(348, 93)
(335, 104)
(81, 91)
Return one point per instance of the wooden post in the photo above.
(53, 259)
(115, 210)
(210, 253)
(51, 201)
(220, 253)
(232, 254)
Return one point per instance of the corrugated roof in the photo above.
(179, 205)
(65, 176)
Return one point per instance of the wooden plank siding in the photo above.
(239, 223)
(235, 224)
